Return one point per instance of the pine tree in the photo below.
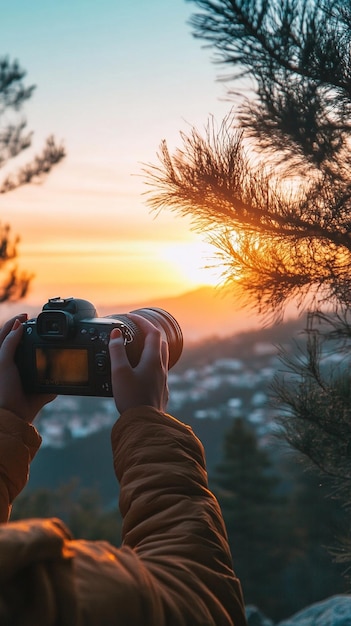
(314, 398)
(271, 186)
(247, 488)
(316, 523)
(15, 139)
(81, 509)
(271, 189)
(280, 524)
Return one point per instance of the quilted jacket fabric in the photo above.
(173, 568)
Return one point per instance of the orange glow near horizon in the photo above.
(110, 97)
(107, 272)
(105, 248)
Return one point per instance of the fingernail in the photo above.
(16, 325)
(116, 333)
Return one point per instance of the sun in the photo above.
(193, 261)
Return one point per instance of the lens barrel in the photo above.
(169, 328)
(164, 322)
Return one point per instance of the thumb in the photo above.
(117, 349)
(12, 340)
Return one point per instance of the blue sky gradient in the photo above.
(113, 79)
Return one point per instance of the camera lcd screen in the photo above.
(61, 366)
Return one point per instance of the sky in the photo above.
(113, 79)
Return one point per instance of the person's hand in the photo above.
(145, 384)
(12, 395)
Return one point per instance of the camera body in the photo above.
(65, 349)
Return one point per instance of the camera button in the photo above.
(92, 333)
(100, 363)
(104, 338)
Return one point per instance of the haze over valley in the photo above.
(201, 313)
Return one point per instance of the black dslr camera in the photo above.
(65, 349)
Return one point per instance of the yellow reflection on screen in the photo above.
(62, 366)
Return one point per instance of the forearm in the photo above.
(160, 465)
(19, 443)
(171, 518)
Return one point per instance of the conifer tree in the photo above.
(246, 486)
(15, 139)
(271, 185)
(280, 525)
(271, 188)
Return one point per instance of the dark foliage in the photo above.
(297, 53)
(279, 523)
(271, 189)
(14, 136)
(315, 389)
(81, 509)
(14, 140)
(273, 245)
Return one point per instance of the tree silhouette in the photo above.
(271, 185)
(271, 188)
(278, 521)
(81, 509)
(246, 486)
(15, 139)
(314, 395)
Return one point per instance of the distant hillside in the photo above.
(240, 345)
(202, 313)
(89, 459)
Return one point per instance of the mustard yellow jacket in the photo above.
(174, 567)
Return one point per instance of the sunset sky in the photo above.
(113, 79)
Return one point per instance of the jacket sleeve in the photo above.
(174, 567)
(19, 443)
(172, 522)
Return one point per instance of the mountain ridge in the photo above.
(201, 313)
(204, 312)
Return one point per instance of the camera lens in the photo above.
(170, 330)
(166, 324)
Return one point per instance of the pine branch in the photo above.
(14, 139)
(13, 93)
(39, 167)
(272, 244)
(297, 52)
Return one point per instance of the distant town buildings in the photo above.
(226, 387)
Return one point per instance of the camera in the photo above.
(65, 349)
